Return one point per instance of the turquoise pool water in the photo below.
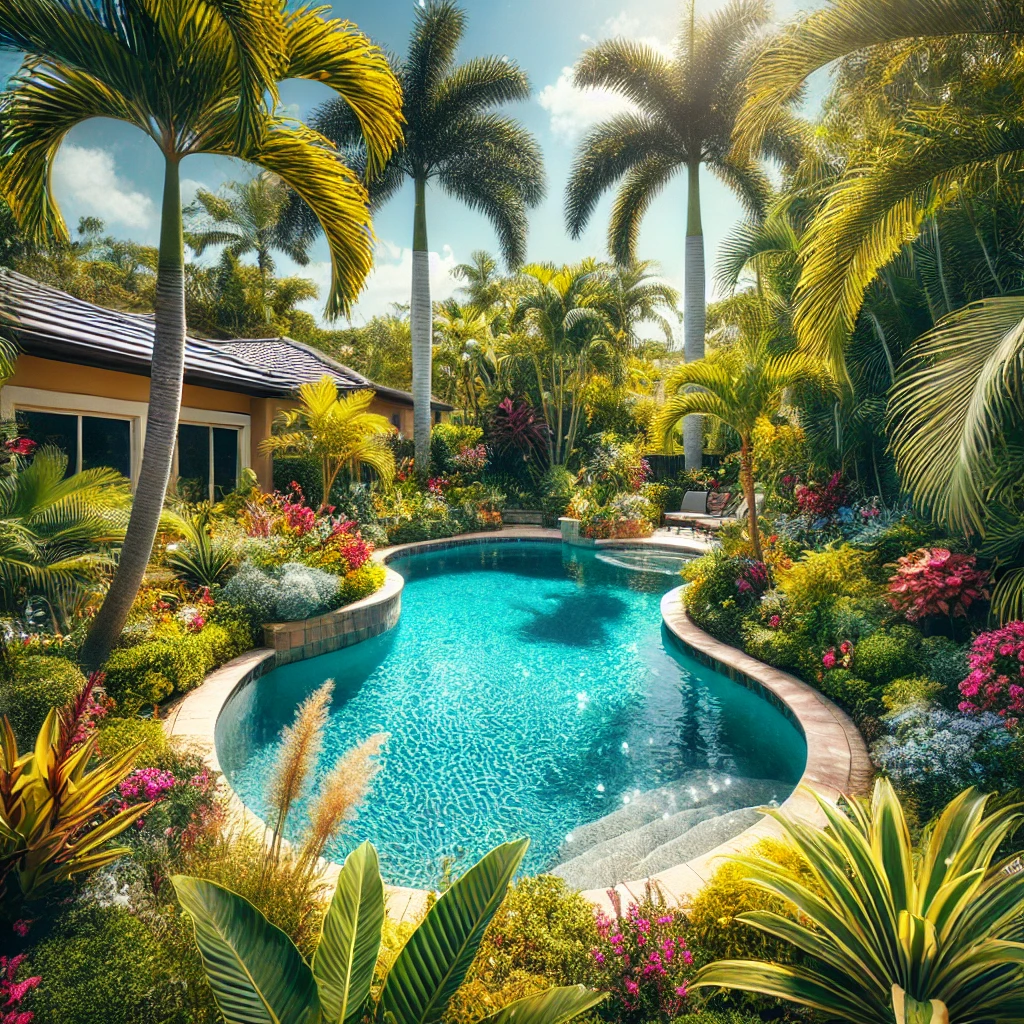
(528, 689)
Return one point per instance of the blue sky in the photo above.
(111, 171)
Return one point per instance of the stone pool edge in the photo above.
(837, 757)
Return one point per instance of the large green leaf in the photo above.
(256, 973)
(552, 1006)
(347, 953)
(434, 961)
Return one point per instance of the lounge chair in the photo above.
(694, 507)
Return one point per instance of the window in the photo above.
(207, 461)
(437, 416)
(396, 420)
(88, 441)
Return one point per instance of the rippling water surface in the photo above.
(527, 689)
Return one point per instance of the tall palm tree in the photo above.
(483, 285)
(196, 76)
(685, 109)
(466, 356)
(245, 220)
(338, 431)
(738, 384)
(939, 152)
(454, 139)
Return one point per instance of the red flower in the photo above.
(934, 581)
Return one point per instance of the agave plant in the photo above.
(257, 973)
(56, 819)
(199, 558)
(893, 932)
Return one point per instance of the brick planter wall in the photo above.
(308, 638)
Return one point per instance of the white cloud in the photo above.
(89, 179)
(388, 283)
(572, 111)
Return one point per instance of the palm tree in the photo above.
(685, 109)
(335, 430)
(57, 533)
(891, 932)
(196, 76)
(246, 220)
(557, 325)
(939, 153)
(483, 287)
(466, 356)
(742, 382)
(452, 137)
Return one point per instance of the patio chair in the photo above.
(693, 508)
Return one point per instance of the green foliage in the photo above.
(903, 692)
(898, 539)
(712, 597)
(852, 693)
(446, 441)
(779, 647)
(821, 581)
(884, 901)
(716, 929)
(556, 489)
(542, 935)
(253, 967)
(175, 660)
(105, 965)
(362, 582)
(944, 661)
(889, 654)
(200, 558)
(37, 684)
(145, 735)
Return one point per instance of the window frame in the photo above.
(14, 397)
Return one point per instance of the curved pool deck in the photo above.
(837, 759)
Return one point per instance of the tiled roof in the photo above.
(54, 325)
(301, 364)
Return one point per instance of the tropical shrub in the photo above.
(362, 582)
(199, 558)
(37, 685)
(448, 441)
(883, 902)
(934, 581)
(714, 596)
(303, 592)
(103, 964)
(543, 934)
(13, 990)
(932, 754)
(255, 968)
(516, 433)
(818, 583)
(556, 489)
(642, 959)
(888, 654)
(849, 691)
(58, 820)
(996, 678)
(945, 661)
(903, 693)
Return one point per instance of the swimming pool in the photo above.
(529, 689)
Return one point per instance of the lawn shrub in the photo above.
(544, 934)
(779, 646)
(908, 691)
(118, 734)
(889, 654)
(37, 683)
(105, 965)
(944, 660)
(855, 695)
(303, 592)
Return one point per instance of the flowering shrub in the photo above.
(23, 446)
(146, 784)
(615, 466)
(752, 579)
(934, 581)
(934, 753)
(995, 682)
(838, 657)
(12, 991)
(643, 960)
(471, 459)
(821, 501)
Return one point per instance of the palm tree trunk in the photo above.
(422, 328)
(161, 431)
(750, 495)
(694, 309)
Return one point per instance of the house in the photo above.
(81, 382)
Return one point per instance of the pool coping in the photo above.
(837, 763)
(837, 758)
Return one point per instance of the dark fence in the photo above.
(668, 467)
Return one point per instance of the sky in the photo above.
(110, 170)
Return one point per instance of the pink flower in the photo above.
(828, 659)
(20, 927)
(631, 986)
(775, 621)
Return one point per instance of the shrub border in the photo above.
(837, 758)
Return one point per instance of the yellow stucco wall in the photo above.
(54, 375)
